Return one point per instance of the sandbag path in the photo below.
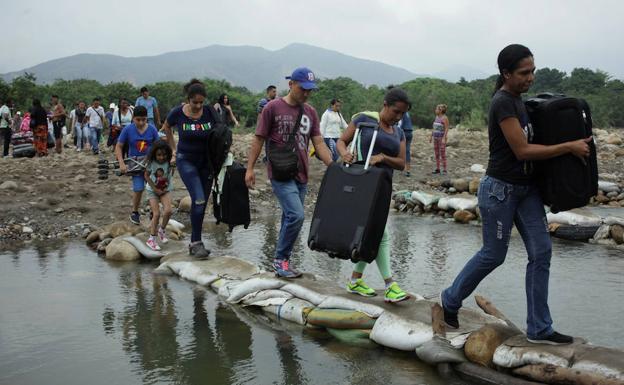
(503, 356)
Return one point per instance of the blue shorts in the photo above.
(138, 183)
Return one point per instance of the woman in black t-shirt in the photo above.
(508, 196)
(194, 121)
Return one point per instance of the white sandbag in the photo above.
(463, 203)
(333, 302)
(266, 297)
(516, 356)
(574, 219)
(608, 187)
(426, 199)
(176, 224)
(163, 269)
(443, 203)
(607, 362)
(614, 221)
(304, 293)
(439, 350)
(291, 310)
(225, 287)
(477, 168)
(398, 333)
(191, 272)
(253, 285)
(143, 249)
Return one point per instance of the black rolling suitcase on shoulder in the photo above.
(231, 202)
(564, 182)
(352, 208)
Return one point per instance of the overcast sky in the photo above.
(422, 36)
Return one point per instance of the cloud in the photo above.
(421, 36)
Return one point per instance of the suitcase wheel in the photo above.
(354, 256)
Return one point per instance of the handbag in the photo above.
(284, 158)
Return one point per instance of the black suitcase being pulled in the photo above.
(565, 182)
(351, 209)
(231, 203)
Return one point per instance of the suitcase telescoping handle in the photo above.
(358, 129)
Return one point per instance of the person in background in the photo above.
(388, 154)
(59, 118)
(439, 136)
(278, 123)
(151, 104)
(224, 109)
(6, 124)
(95, 118)
(39, 125)
(109, 114)
(508, 195)
(17, 121)
(80, 128)
(332, 125)
(121, 118)
(271, 93)
(405, 124)
(140, 135)
(194, 121)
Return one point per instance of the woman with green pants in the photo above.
(388, 153)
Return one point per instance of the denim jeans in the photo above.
(82, 134)
(502, 205)
(331, 144)
(408, 144)
(94, 138)
(196, 176)
(291, 195)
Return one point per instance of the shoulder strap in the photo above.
(291, 137)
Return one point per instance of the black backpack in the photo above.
(564, 182)
(218, 144)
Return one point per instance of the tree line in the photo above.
(467, 100)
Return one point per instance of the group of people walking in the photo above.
(507, 194)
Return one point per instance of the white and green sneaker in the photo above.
(395, 294)
(359, 287)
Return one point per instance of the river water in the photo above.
(70, 317)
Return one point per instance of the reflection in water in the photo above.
(437, 253)
(148, 323)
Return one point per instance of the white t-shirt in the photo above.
(125, 118)
(95, 117)
(332, 124)
(4, 123)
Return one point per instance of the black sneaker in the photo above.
(553, 339)
(135, 218)
(198, 250)
(450, 318)
(436, 171)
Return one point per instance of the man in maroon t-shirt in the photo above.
(277, 122)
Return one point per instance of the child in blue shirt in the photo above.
(139, 135)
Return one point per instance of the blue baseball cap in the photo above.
(305, 77)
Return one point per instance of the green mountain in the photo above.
(247, 66)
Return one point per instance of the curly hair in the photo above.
(159, 145)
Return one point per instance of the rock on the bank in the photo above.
(473, 186)
(614, 139)
(617, 233)
(463, 216)
(481, 344)
(460, 184)
(185, 204)
(120, 250)
(8, 185)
